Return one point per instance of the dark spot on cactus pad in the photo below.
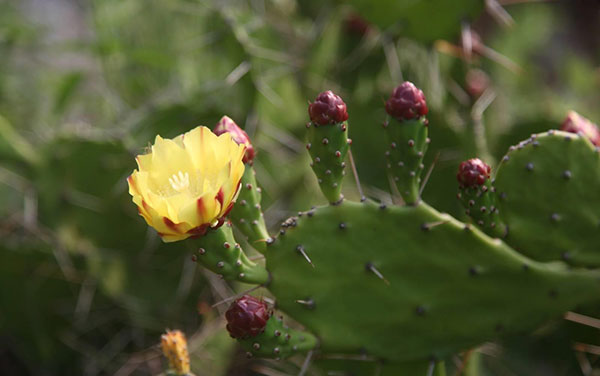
(566, 256)
(473, 271)
(342, 226)
(529, 166)
(247, 317)
(566, 174)
(420, 311)
(555, 217)
(328, 108)
(406, 102)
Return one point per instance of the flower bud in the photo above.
(247, 317)
(473, 172)
(576, 123)
(477, 82)
(174, 348)
(226, 124)
(407, 102)
(328, 108)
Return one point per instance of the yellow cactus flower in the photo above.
(187, 184)
(174, 348)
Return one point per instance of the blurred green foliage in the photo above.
(87, 288)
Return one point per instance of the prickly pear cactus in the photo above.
(405, 285)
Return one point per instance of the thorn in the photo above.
(309, 303)
(431, 368)
(370, 267)
(233, 297)
(356, 179)
(466, 41)
(498, 13)
(306, 364)
(426, 179)
(429, 226)
(300, 249)
(583, 319)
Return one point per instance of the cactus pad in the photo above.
(408, 283)
(549, 196)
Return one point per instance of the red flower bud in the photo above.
(357, 25)
(247, 317)
(328, 108)
(407, 102)
(477, 82)
(226, 124)
(473, 172)
(576, 123)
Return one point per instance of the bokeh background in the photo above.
(86, 288)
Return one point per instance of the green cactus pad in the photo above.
(220, 253)
(480, 203)
(408, 283)
(247, 215)
(407, 144)
(328, 146)
(549, 190)
(278, 341)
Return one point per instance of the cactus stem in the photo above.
(300, 250)
(370, 267)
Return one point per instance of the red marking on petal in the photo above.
(198, 231)
(170, 224)
(200, 208)
(220, 197)
(146, 206)
(228, 210)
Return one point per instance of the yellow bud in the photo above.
(174, 348)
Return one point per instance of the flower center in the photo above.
(180, 181)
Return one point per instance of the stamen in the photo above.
(180, 181)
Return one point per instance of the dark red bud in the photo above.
(407, 102)
(357, 25)
(247, 317)
(227, 125)
(328, 108)
(576, 123)
(477, 82)
(473, 172)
